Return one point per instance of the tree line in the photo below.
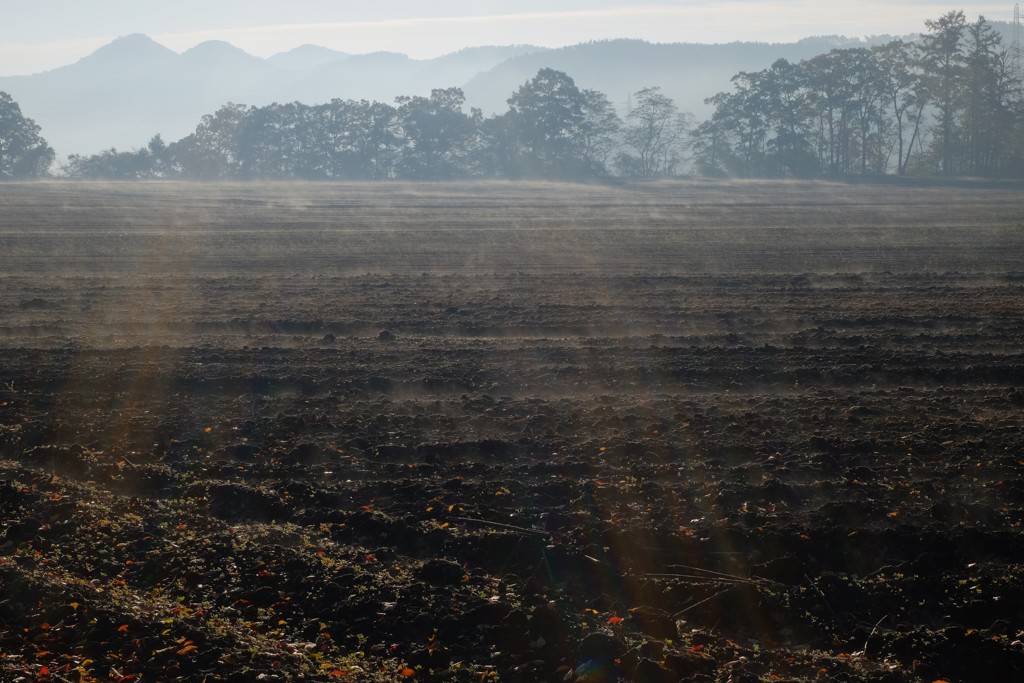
(552, 129)
(947, 104)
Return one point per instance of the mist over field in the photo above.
(669, 227)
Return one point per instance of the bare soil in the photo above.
(693, 431)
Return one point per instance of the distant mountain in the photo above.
(217, 54)
(686, 72)
(135, 57)
(306, 57)
(133, 88)
(458, 68)
(382, 76)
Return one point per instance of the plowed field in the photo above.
(693, 431)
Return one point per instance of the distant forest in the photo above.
(948, 104)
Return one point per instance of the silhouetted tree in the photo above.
(23, 151)
(742, 122)
(546, 119)
(990, 85)
(845, 93)
(901, 83)
(498, 152)
(944, 64)
(437, 136)
(157, 149)
(712, 140)
(655, 135)
(600, 131)
(147, 163)
(110, 164)
(784, 97)
(216, 148)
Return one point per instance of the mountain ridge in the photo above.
(306, 56)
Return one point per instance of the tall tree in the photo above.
(599, 132)
(712, 140)
(830, 96)
(745, 118)
(866, 98)
(989, 89)
(654, 134)
(903, 87)
(944, 59)
(23, 151)
(546, 116)
(784, 98)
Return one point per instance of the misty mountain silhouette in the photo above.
(306, 57)
(133, 88)
(217, 54)
(136, 52)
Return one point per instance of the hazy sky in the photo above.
(42, 34)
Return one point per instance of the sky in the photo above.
(43, 34)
